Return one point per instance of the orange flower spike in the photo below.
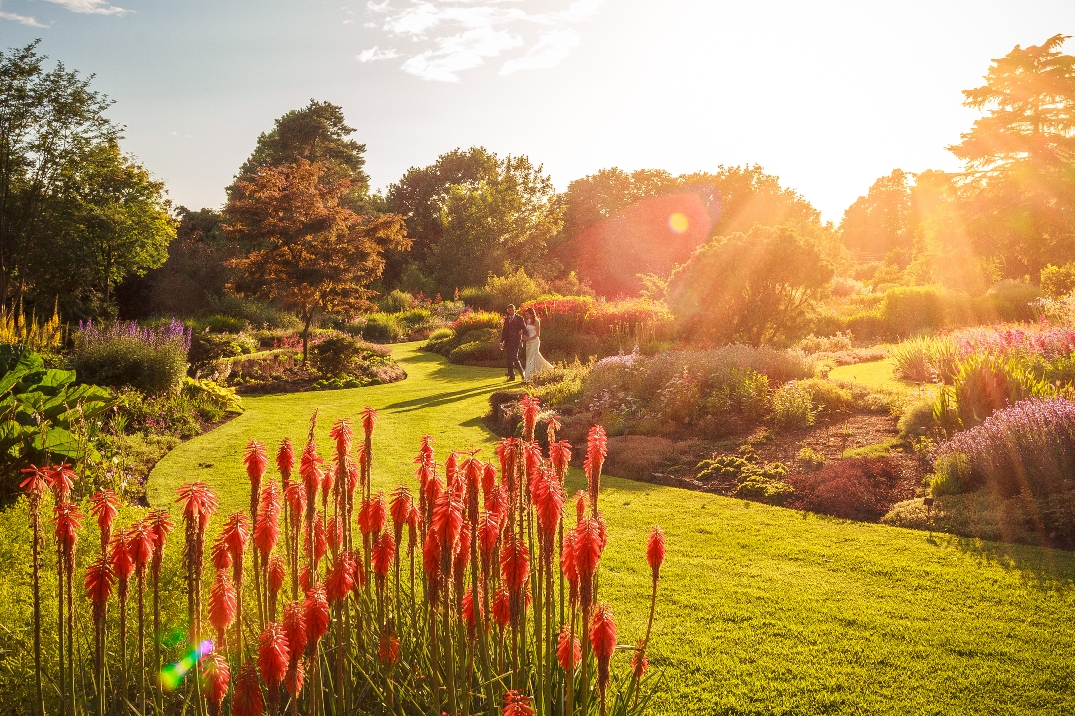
(388, 649)
(497, 502)
(531, 408)
(341, 579)
(560, 456)
(516, 704)
(66, 516)
(596, 450)
(568, 650)
(502, 608)
(514, 564)
(451, 468)
(267, 529)
(383, 553)
(274, 655)
(655, 551)
(296, 676)
(277, 573)
(215, 678)
(37, 482)
(569, 568)
(105, 508)
(141, 545)
(343, 435)
(285, 461)
(580, 505)
(199, 503)
(400, 509)
(236, 534)
(221, 556)
(472, 611)
(448, 520)
(98, 585)
(248, 700)
(315, 610)
(488, 480)
(548, 499)
(378, 513)
(257, 460)
(426, 449)
(488, 536)
(295, 495)
(414, 527)
(352, 481)
(161, 524)
(61, 479)
(369, 421)
(639, 662)
(122, 564)
(222, 604)
(587, 553)
(310, 470)
(603, 638)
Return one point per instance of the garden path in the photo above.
(762, 610)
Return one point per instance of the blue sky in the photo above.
(828, 96)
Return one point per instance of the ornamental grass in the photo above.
(479, 593)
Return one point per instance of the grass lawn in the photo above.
(762, 610)
(879, 374)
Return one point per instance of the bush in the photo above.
(811, 459)
(917, 420)
(219, 324)
(383, 327)
(473, 320)
(793, 406)
(984, 384)
(153, 361)
(482, 351)
(765, 484)
(1058, 281)
(1012, 300)
(499, 291)
(826, 344)
(867, 325)
(861, 489)
(828, 396)
(258, 314)
(206, 348)
(396, 302)
(908, 310)
(1028, 447)
(926, 360)
(342, 355)
(438, 339)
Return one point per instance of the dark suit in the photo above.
(511, 337)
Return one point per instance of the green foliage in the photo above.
(383, 327)
(343, 355)
(396, 302)
(514, 288)
(219, 323)
(908, 310)
(753, 287)
(1012, 300)
(811, 459)
(829, 396)
(765, 484)
(918, 420)
(926, 360)
(793, 406)
(222, 397)
(722, 467)
(951, 475)
(984, 384)
(155, 368)
(207, 348)
(881, 449)
(1058, 281)
(883, 220)
(44, 415)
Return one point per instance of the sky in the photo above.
(826, 95)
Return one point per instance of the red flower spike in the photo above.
(341, 432)
(426, 449)
(310, 470)
(220, 554)
(122, 564)
(295, 495)
(316, 612)
(66, 518)
(248, 700)
(448, 521)
(369, 421)
(514, 564)
(433, 490)
(236, 534)
(548, 498)
(580, 505)
(199, 503)
(383, 552)
(341, 578)
(215, 678)
(462, 551)
(388, 649)
(296, 677)
(414, 527)
(256, 460)
(105, 508)
(472, 611)
(37, 482)
(274, 655)
(488, 480)
(378, 513)
(569, 568)
(560, 456)
(568, 650)
(531, 409)
(516, 704)
(277, 573)
(61, 479)
(294, 626)
(364, 517)
(222, 603)
(320, 540)
(655, 551)
(140, 544)
(587, 549)
(98, 585)
(502, 608)
(352, 477)
(603, 639)
(639, 662)
(328, 479)
(596, 450)
(285, 461)
(451, 468)
(161, 523)
(497, 502)
(488, 535)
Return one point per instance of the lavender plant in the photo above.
(153, 360)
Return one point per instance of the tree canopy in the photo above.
(303, 248)
(883, 220)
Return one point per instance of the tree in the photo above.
(884, 220)
(495, 225)
(51, 122)
(319, 134)
(1017, 197)
(752, 287)
(302, 246)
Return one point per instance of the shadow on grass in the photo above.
(1041, 567)
(438, 399)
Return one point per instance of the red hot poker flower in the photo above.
(274, 655)
(316, 613)
(400, 509)
(248, 700)
(277, 574)
(587, 549)
(105, 508)
(414, 527)
(295, 495)
(141, 544)
(514, 564)
(603, 638)
(61, 479)
(341, 432)
(548, 498)
(516, 704)
(639, 662)
(221, 554)
(531, 408)
(472, 611)
(294, 626)
(310, 471)
(580, 505)
(267, 529)
(560, 456)
(451, 468)
(369, 421)
(66, 518)
(222, 604)
(568, 650)
(569, 567)
(388, 649)
(655, 551)
(256, 460)
(285, 461)
(383, 552)
(378, 513)
(215, 678)
(235, 535)
(341, 578)
(122, 564)
(596, 450)
(296, 676)
(488, 480)
(199, 503)
(447, 523)
(98, 585)
(502, 608)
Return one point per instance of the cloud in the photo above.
(550, 49)
(25, 20)
(374, 53)
(460, 52)
(451, 36)
(95, 7)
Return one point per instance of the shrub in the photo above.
(826, 344)
(220, 397)
(926, 360)
(514, 288)
(810, 458)
(765, 484)
(483, 351)
(342, 355)
(153, 361)
(908, 310)
(862, 489)
(438, 339)
(256, 313)
(207, 348)
(219, 324)
(917, 421)
(828, 396)
(793, 406)
(396, 302)
(881, 449)
(1028, 447)
(383, 327)
(1058, 281)
(473, 320)
(984, 384)
(723, 467)
(867, 325)
(1012, 300)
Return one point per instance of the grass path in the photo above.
(762, 610)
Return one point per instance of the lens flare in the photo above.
(172, 675)
(678, 222)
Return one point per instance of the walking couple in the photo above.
(519, 331)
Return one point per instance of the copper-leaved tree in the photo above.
(303, 248)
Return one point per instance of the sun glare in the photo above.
(678, 222)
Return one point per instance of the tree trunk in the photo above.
(307, 318)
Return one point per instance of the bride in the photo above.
(531, 335)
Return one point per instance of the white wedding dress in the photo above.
(535, 362)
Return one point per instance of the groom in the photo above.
(511, 340)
